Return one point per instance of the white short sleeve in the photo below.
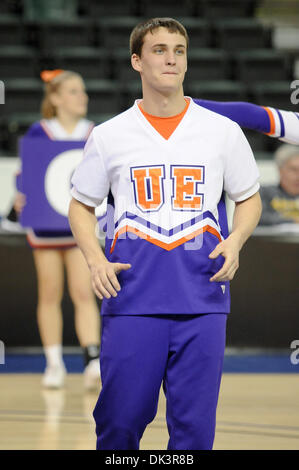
(241, 174)
(90, 180)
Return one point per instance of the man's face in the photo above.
(163, 61)
(289, 176)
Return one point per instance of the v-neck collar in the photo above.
(151, 129)
(60, 133)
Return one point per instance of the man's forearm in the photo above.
(83, 224)
(246, 217)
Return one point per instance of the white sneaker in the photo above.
(54, 376)
(11, 227)
(92, 375)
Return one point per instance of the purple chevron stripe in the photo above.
(158, 229)
(282, 132)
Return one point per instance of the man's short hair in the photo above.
(284, 153)
(141, 29)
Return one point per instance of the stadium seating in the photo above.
(57, 10)
(241, 33)
(219, 90)
(258, 142)
(261, 65)
(97, 9)
(54, 34)
(130, 91)
(6, 7)
(230, 54)
(261, 144)
(18, 61)
(104, 96)
(90, 62)
(22, 94)
(208, 64)
(165, 8)
(121, 65)
(199, 31)
(12, 31)
(220, 9)
(114, 32)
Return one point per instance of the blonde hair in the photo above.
(48, 110)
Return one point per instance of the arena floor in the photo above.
(256, 411)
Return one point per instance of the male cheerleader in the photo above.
(164, 278)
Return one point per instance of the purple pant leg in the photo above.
(192, 380)
(133, 358)
(137, 354)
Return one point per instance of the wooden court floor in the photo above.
(255, 411)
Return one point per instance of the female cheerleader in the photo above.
(64, 108)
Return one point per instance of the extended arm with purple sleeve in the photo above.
(278, 123)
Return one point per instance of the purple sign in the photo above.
(47, 169)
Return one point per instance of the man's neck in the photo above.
(160, 105)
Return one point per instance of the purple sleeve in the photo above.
(248, 115)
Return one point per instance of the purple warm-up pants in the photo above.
(138, 354)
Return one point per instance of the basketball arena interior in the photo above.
(240, 51)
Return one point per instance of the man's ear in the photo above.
(135, 61)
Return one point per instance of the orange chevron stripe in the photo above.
(165, 246)
(272, 121)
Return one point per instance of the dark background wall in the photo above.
(265, 296)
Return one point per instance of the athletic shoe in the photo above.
(92, 375)
(11, 223)
(11, 227)
(54, 376)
